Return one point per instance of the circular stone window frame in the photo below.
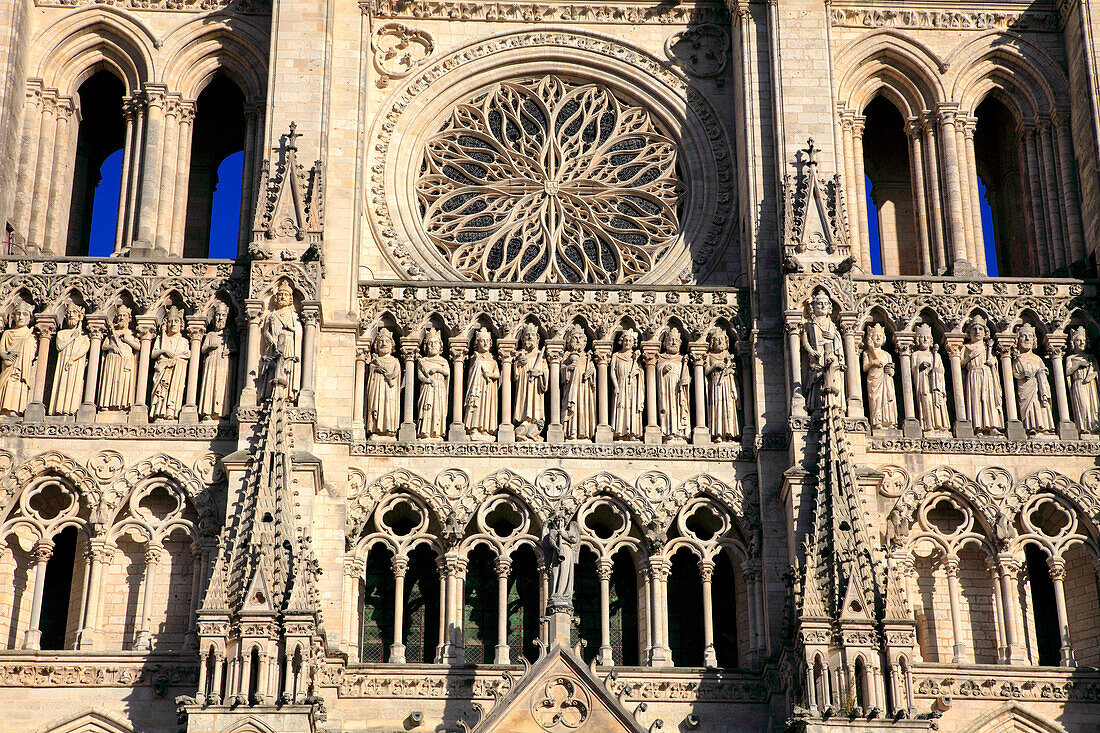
(422, 104)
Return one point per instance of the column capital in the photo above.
(650, 349)
(1057, 567)
(503, 566)
(951, 565)
(42, 550)
(506, 348)
(706, 570)
(604, 567)
(914, 128)
(254, 307)
(602, 351)
(459, 349)
(1056, 344)
(400, 564)
(196, 327)
(354, 567)
(154, 553)
(156, 95)
(362, 352)
(904, 341)
(659, 568)
(45, 325)
(792, 321)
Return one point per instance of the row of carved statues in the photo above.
(101, 365)
(1035, 398)
(586, 391)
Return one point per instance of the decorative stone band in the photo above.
(1005, 684)
(989, 447)
(531, 12)
(100, 671)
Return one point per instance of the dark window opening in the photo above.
(624, 610)
(685, 610)
(586, 602)
(892, 222)
(213, 226)
(523, 606)
(480, 622)
(1042, 605)
(57, 592)
(378, 604)
(997, 158)
(97, 172)
(422, 619)
(724, 603)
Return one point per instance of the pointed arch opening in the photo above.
(97, 171)
(523, 605)
(890, 211)
(685, 610)
(59, 616)
(480, 607)
(212, 227)
(1005, 211)
(423, 622)
(376, 630)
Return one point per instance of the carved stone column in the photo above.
(410, 347)
(36, 228)
(196, 329)
(147, 331)
(46, 325)
(1056, 349)
(358, 415)
(650, 349)
(397, 649)
(792, 326)
(1070, 194)
(1058, 575)
(155, 100)
(855, 226)
(133, 113)
(659, 569)
(998, 608)
(951, 568)
(311, 320)
(1014, 429)
(61, 176)
(254, 309)
(850, 335)
(97, 555)
(354, 573)
(456, 431)
(910, 426)
(506, 349)
(97, 329)
(555, 431)
(1044, 260)
(860, 185)
(162, 240)
(503, 568)
(706, 573)
(41, 552)
(955, 220)
(935, 197)
(1009, 568)
(970, 126)
(1053, 196)
(916, 158)
(602, 352)
(603, 571)
(453, 645)
(745, 350)
(154, 554)
(697, 350)
(953, 343)
(185, 119)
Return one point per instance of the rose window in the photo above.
(546, 180)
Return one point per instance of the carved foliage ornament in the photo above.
(546, 180)
(702, 51)
(399, 49)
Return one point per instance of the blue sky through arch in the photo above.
(101, 241)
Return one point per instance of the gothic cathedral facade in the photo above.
(549, 366)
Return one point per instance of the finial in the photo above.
(811, 152)
(292, 137)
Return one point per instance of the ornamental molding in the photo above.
(124, 431)
(534, 12)
(99, 282)
(454, 497)
(433, 92)
(399, 49)
(102, 673)
(248, 7)
(944, 20)
(701, 50)
(556, 308)
(982, 446)
(1033, 685)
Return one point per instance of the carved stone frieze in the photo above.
(399, 49)
(941, 19)
(701, 50)
(983, 446)
(99, 673)
(251, 7)
(126, 431)
(1033, 685)
(531, 12)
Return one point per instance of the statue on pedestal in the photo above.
(18, 354)
(282, 338)
(560, 546)
(170, 355)
(1032, 383)
(878, 367)
(118, 373)
(578, 387)
(722, 392)
(72, 361)
(1082, 375)
(532, 378)
(983, 389)
(824, 347)
(673, 390)
(383, 388)
(628, 385)
(215, 392)
(434, 374)
(930, 382)
(482, 390)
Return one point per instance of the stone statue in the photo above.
(628, 386)
(561, 554)
(18, 354)
(482, 390)
(878, 368)
(118, 373)
(215, 392)
(170, 355)
(383, 388)
(72, 361)
(930, 382)
(824, 349)
(578, 387)
(282, 339)
(897, 527)
(983, 389)
(673, 390)
(434, 374)
(722, 392)
(1032, 383)
(532, 378)
(1084, 389)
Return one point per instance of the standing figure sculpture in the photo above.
(722, 395)
(18, 353)
(878, 367)
(578, 387)
(72, 361)
(673, 390)
(434, 374)
(483, 390)
(383, 389)
(118, 373)
(930, 382)
(1084, 390)
(282, 354)
(1032, 383)
(983, 389)
(532, 378)
(628, 385)
(824, 347)
(170, 355)
(560, 547)
(215, 392)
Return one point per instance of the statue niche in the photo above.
(984, 398)
(218, 350)
(482, 390)
(930, 382)
(722, 395)
(118, 370)
(72, 360)
(170, 355)
(18, 354)
(532, 378)
(1032, 383)
(824, 348)
(878, 369)
(433, 372)
(673, 390)
(281, 363)
(578, 387)
(628, 386)
(1082, 375)
(383, 389)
